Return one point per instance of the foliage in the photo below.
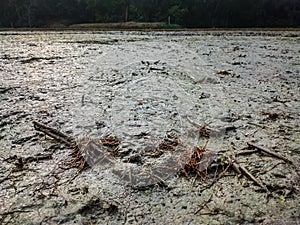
(187, 13)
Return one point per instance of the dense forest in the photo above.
(187, 13)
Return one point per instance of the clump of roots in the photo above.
(78, 159)
(204, 164)
(192, 165)
(87, 151)
(169, 143)
(112, 144)
(199, 162)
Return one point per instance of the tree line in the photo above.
(187, 13)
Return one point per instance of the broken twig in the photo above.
(244, 171)
(247, 152)
(262, 149)
(53, 133)
(258, 125)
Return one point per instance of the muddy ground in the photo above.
(142, 87)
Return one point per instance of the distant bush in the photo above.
(171, 26)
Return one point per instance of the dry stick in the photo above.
(57, 135)
(14, 211)
(258, 125)
(250, 144)
(39, 124)
(236, 167)
(6, 177)
(53, 133)
(246, 152)
(240, 169)
(5, 214)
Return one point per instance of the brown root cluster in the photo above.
(204, 165)
(169, 143)
(90, 151)
(193, 164)
(78, 159)
(111, 143)
(198, 161)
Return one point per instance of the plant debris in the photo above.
(224, 72)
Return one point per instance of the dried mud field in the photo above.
(161, 95)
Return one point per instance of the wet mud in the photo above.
(145, 88)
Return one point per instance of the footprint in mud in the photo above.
(151, 99)
(175, 158)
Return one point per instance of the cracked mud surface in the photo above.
(139, 87)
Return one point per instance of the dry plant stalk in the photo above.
(193, 165)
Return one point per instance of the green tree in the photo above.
(189, 13)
